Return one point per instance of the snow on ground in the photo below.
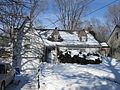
(104, 76)
(27, 78)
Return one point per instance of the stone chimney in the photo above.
(91, 31)
(90, 28)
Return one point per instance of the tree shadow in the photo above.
(29, 74)
(17, 86)
(113, 68)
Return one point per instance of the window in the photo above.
(83, 38)
(55, 37)
(27, 43)
(2, 69)
(118, 46)
(117, 35)
(27, 46)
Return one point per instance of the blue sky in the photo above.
(49, 15)
(98, 4)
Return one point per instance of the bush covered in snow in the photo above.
(80, 58)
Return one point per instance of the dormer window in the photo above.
(55, 36)
(82, 36)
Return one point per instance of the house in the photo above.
(114, 42)
(32, 46)
(56, 41)
(29, 46)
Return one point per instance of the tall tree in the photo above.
(14, 16)
(70, 12)
(101, 29)
(113, 15)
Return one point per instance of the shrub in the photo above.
(76, 59)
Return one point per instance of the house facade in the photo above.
(30, 47)
(114, 43)
(105, 49)
(56, 41)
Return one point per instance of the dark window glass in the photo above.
(27, 46)
(117, 35)
(2, 69)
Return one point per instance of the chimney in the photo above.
(91, 31)
(56, 28)
(90, 28)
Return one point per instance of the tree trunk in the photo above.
(17, 44)
(17, 49)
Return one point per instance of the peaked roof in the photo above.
(117, 26)
(69, 39)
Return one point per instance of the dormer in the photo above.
(55, 36)
(82, 35)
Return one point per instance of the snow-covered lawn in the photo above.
(27, 77)
(104, 76)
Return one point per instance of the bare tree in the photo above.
(101, 29)
(113, 15)
(15, 16)
(70, 12)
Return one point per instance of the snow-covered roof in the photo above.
(69, 39)
(104, 44)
